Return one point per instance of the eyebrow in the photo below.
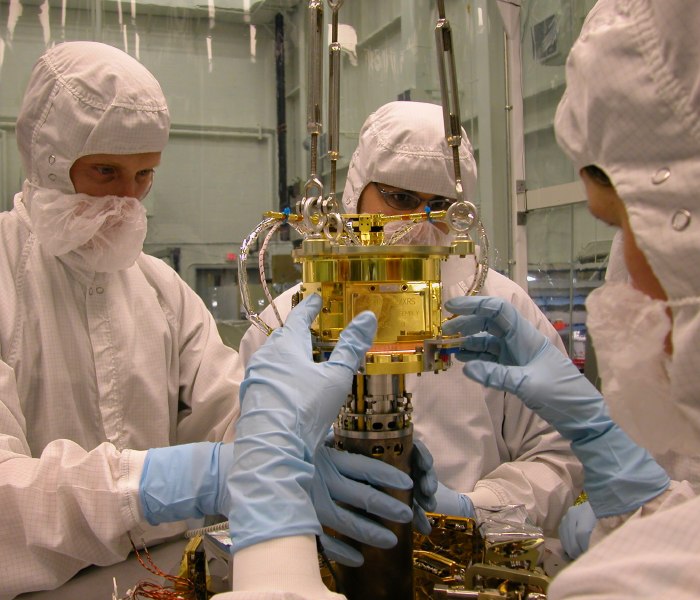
(400, 189)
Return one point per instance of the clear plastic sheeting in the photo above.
(510, 539)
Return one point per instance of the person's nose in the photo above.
(132, 188)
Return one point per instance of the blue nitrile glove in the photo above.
(186, 481)
(287, 404)
(453, 503)
(513, 356)
(575, 529)
(425, 485)
(340, 477)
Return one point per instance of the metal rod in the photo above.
(334, 53)
(313, 109)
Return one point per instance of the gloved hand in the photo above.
(186, 481)
(287, 404)
(575, 529)
(425, 485)
(453, 503)
(340, 477)
(513, 356)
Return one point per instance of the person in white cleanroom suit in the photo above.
(630, 121)
(115, 387)
(105, 352)
(485, 443)
(639, 121)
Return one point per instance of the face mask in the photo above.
(629, 331)
(422, 234)
(106, 233)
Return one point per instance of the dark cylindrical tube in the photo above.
(385, 574)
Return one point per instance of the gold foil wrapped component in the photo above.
(457, 561)
(495, 560)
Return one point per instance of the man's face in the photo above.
(373, 199)
(606, 205)
(124, 175)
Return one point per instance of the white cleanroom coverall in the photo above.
(485, 443)
(632, 108)
(95, 368)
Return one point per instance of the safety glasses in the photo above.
(406, 201)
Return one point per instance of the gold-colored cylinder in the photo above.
(400, 285)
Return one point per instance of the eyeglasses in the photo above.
(403, 200)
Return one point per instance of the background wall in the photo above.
(567, 248)
(218, 172)
(223, 65)
(394, 58)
